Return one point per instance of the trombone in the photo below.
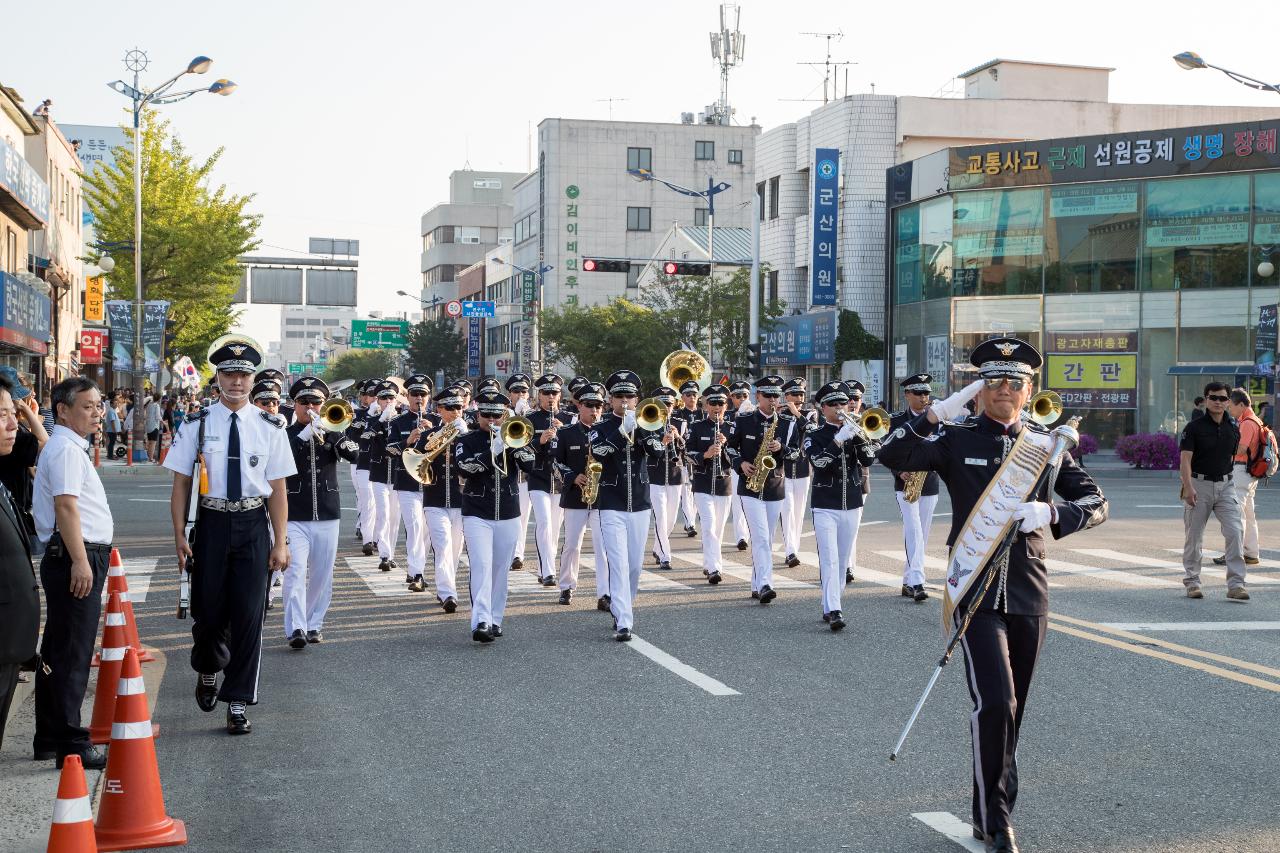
(651, 416)
(335, 415)
(873, 424)
(515, 433)
(1044, 408)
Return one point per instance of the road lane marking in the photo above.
(1194, 626)
(380, 583)
(138, 571)
(779, 581)
(951, 827)
(1158, 506)
(1151, 562)
(935, 563)
(1122, 578)
(1264, 563)
(149, 500)
(680, 668)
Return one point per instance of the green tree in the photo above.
(361, 364)
(855, 343)
(192, 234)
(436, 345)
(598, 340)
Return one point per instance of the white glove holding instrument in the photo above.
(844, 433)
(953, 408)
(629, 421)
(305, 433)
(1033, 516)
(496, 446)
(374, 409)
(388, 413)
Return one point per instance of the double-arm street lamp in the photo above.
(137, 62)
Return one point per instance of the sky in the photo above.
(350, 117)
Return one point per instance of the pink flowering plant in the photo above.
(1156, 451)
(1088, 444)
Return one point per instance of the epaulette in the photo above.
(968, 423)
(275, 420)
(1032, 425)
(898, 413)
(813, 427)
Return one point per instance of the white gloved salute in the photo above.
(1033, 515)
(629, 420)
(953, 408)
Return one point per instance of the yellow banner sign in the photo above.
(95, 301)
(1065, 372)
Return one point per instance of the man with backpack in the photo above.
(1251, 464)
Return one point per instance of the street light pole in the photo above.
(542, 270)
(1189, 60)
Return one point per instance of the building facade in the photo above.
(313, 335)
(1142, 264)
(477, 217)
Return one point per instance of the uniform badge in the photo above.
(253, 462)
(1006, 348)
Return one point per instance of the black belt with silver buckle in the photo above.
(223, 505)
(1213, 478)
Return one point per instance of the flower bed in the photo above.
(1156, 451)
(1088, 444)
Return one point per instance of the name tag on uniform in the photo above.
(575, 447)
(748, 436)
(969, 460)
(212, 439)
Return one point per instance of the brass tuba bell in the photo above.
(1045, 407)
(685, 365)
(418, 465)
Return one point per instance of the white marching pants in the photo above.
(835, 532)
(489, 543)
(714, 512)
(415, 532)
(664, 500)
(741, 532)
(386, 519)
(794, 502)
(762, 518)
(688, 506)
(521, 545)
(624, 535)
(308, 584)
(364, 499)
(917, 518)
(444, 529)
(547, 516)
(575, 525)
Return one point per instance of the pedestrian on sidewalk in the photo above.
(1208, 445)
(112, 426)
(74, 522)
(1251, 448)
(20, 608)
(17, 466)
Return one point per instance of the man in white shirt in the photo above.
(247, 458)
(74, 523)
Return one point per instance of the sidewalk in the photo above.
(119, 468)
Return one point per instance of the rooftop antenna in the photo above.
(610, 100)
(830, 83)
(727, 47)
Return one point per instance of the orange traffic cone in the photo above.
(117, 582)
(72, 829)
(113, 648)
(132, 813)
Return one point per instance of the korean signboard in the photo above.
(379, 334)
(800, 339)
(937, 356)
(25, 316)
(120, 319)
(91, 344)
(1093, 369)
(529, 296)
(826, 220)
(473, 347)
(479, 309)
(572, 255)
(1116, 156)
(94, 299)
(23, 182)
(1264, 344)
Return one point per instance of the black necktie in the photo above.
(233, 461)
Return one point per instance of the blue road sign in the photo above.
(478, 309)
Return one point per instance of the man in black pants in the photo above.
(20, 601)
(247, 457)
(74, 522)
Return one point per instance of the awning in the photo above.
(1218, 369)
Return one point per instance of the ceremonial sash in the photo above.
(991, 517)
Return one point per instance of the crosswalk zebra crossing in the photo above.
(138, 572)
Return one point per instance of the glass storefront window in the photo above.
(1093, 238)
(999, 242)
(906, 254)
(1266, 223)
(1196, 233)
(935, 247)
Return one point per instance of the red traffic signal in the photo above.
(601, 265)
(680, 268)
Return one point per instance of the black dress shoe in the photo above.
(549, 580)
(270, 603)
(44, 755)
(207, 692)
(792, 561)
(906, 592)
(566, 595)
(367, 549)
(450, 604)
(656, 558)
(767, 594)
(92, 759)
(392, 563)
(237, 722)
(848, 577)
(742, 544)
(714, 578)
(826, 617)
(297, 640)
(418, 584)
(408, 578)
(918, 593)
(755, 593)
(837, 621)
(359, 535)
(315, 637)
(384, 565)
(517, 564)
(623, 635)
(665, 566)
(690, 531)
(1002, 841)
(604, 603)
(481, 633)
(495, 630)
(979, 834)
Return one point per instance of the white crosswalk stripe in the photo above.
(381, 584)
(138, 571)
(1263, 563)
(1122, 578)
(1152, 562)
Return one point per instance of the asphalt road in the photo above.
(1147, 729)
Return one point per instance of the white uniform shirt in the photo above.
(264, 450)
(64, 468)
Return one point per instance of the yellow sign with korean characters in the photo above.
(95, 304)
(1096, 371)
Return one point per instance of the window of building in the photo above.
(704, 150)
(439, 274)
(332, 322)
(1093, 245)
(760, 194)
(466, 234)
(294, 321)
(998, 242)
(1196, 233)
(771, 293)
(906, 254)
(735, 156)
(292, 334)
(639, 158)
(935, 247)
(633, 275)
(313, 321)
(638, 219)
(526, 227)
(775, 187)
(700, 216)
(11, 251)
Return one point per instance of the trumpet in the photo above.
(335, 415)
(1045, 407)
(685, 365)
(873, 424)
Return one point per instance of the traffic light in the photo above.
(602, 265)
(755, 359)
(681, 268)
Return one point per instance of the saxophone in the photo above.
(764, 462)
(592, 489)
(913, 485)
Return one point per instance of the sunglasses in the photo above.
(1215, 398)
(417, 393)
(452, 408)
(626, 396)
(717, 402)
(549, 391)
(1014, 384)
(592, 405)
(927, 393)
